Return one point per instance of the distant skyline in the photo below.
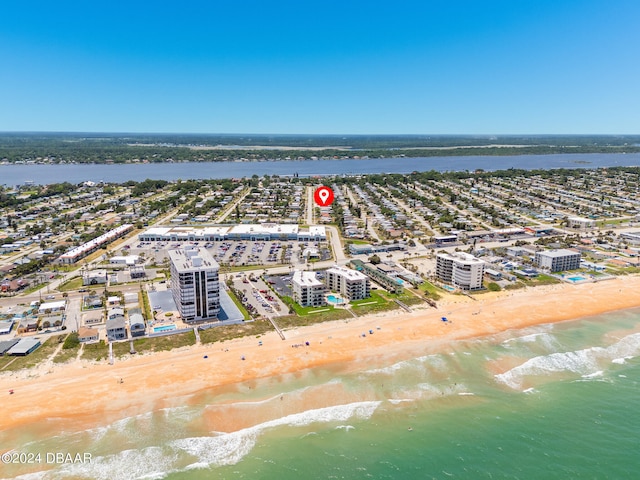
(412, 67)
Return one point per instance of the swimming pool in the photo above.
(576, 279)
(334, 299)
(449, 288)
(164, 328)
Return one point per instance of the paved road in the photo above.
(232, 206)
(310, 206)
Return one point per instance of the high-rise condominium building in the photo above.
(194, 284)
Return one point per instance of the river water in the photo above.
(45, 174)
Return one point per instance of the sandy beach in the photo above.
(87, 394)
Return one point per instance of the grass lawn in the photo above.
(33, 288)
(541, 279)
(375, 303)
(306, 311)
(228, 332)
(514, 286)
(67, 354)
(627, 270)
(143, 299)
(160, 344)
(292, 321)
(43, 352)
(357, 242)
(431, 290)
(609, 222)
(73, 284)
(405, 297)
(95, 351)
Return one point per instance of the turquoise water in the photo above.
(549, 402)
(575, 279)
(334, 299)
(164, 328)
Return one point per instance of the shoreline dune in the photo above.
(85, 395)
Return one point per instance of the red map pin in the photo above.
(323, 196)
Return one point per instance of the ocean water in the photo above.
(548, 402)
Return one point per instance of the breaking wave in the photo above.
(157, 462)
(586, 362)
(229, 448)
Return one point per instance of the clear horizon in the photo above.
(296, 69)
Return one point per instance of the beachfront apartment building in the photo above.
(307, 290)
(460, 270)
(194, 284)
(558, 260)
(351, 284)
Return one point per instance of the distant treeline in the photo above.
(121, 148)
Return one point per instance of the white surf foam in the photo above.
(147, 463)
(433, 361)
(583, 362)
(345, 427)
(547, 340)
(30, 476)
(398, 401)
(230, 448)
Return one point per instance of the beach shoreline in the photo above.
(85, 395)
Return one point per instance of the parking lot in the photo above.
(235, 253)
(257, 296)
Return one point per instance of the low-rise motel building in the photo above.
(77, 253)
(307, 290)
(195, 284)
(461, 270)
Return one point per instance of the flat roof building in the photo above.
(307, 290)
(85, 249)
(52, 306)
(580, 223)
(6, 345)
(558, 260)
(94, 277)
(24, 347)
(254, 232)
(351, 284)
(460, 270)
(194, 284)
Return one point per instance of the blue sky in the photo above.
(348, 67)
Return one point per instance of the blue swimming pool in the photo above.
(164, 328)
(576, 279)
(334, 299)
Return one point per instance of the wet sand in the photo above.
(85, 395)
